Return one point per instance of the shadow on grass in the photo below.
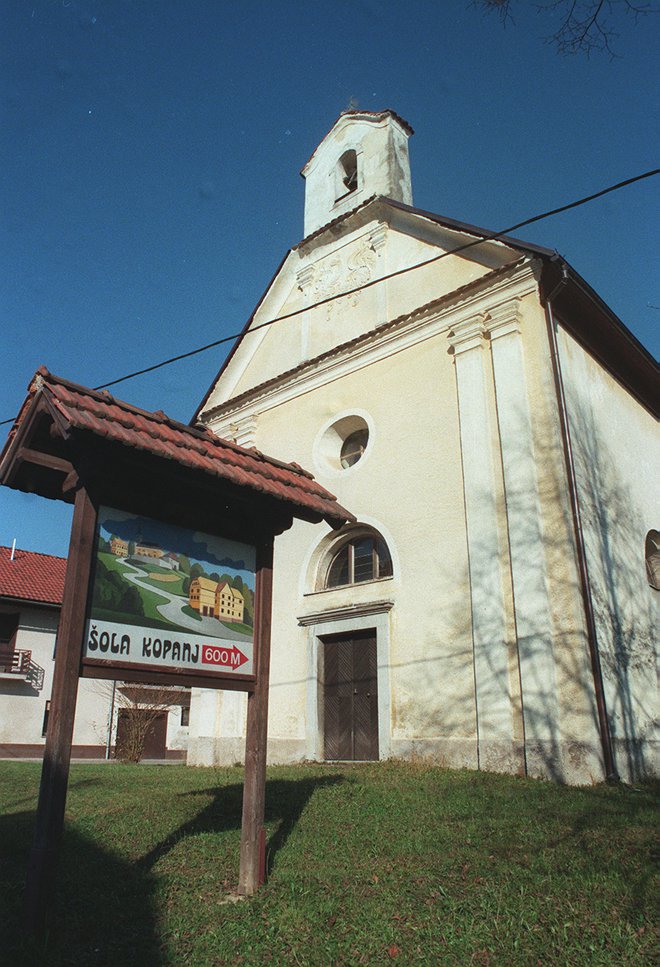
(285, 802)
(103, 912)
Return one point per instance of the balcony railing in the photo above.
(15, 662)
(19, 663)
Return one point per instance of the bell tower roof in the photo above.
(365, 153)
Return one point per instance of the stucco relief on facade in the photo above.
(342, 271)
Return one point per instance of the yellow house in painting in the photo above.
(229, 603)
(202, 595)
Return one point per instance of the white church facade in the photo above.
(493, 427)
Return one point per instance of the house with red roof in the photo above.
(31, 590)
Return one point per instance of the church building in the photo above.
(492, 425)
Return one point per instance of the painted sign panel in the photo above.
(170, 598)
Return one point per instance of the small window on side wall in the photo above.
(364, 558)
(652, 554)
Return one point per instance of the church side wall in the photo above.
(574, 754)
(615, 447)
(524, 580)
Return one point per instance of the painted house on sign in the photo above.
(229, 603)
(148, 552)
(170, 561)
(31, 587)
(492, 424)
(202, 595)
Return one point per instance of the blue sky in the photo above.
(151, 153)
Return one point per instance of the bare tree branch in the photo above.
(140, 706)
(585, 27)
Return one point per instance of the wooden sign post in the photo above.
(213, 501)
(252, 868)
(57, 752)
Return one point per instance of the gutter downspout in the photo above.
(108, 744)
(611, 773)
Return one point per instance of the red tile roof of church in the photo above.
(31, 576)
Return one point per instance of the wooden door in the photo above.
(350, 697)
(155, 742)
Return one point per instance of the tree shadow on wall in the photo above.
(625, 606)
(552, 655)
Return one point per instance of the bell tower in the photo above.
(364, 154)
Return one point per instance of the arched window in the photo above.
(364, 557)
(652, 553)
(347, 174)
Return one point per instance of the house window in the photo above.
(185, 715)
(363, 558)
(8, 629)
(44, 727)
(347, 174)
(652, 554)
(8, 632)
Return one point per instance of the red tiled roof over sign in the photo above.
(76, 408)
(31, 577)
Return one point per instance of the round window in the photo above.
(342, 444)
(353, 447)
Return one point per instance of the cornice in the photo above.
(348, 611)
(504, 319)
(469, 334)
(447, 313)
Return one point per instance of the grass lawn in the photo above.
(369, 864)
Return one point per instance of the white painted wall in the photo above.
(22, 705)
(381, 146)
(463, 476)
(617, 458)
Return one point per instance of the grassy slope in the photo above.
(369, 864)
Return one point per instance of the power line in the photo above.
(392, 275)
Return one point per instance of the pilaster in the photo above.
(489, 625)
(523, 505)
